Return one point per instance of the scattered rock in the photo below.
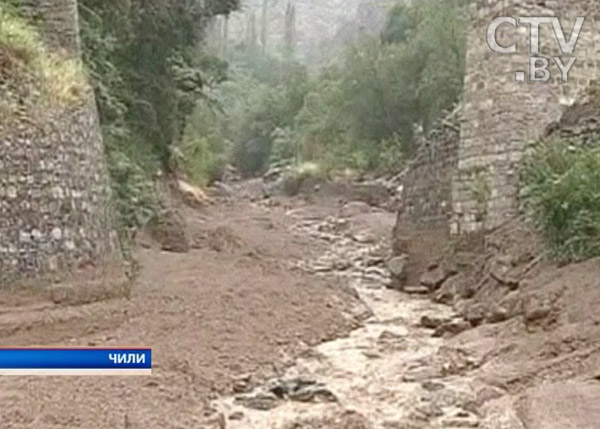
(364, 238)
(537, 313)
(316, 393)
(446, 294)
(301, 390)
(462, 306)
(513, 303)
(236, 415)
(461, 419)
(497, 314)
(263, 401)
(349, 419)
(464, 259)
(376, 273)
(389, 336)
(374, 260)
(432, 322)
(269, 396)
(397, 266)
(536, 309)
(222, 190)
(416, 290)
(60, 293)
(427, 411)
(242, 383)
(455, 360)
(451, 328)
(434, 278)
(432, 386)
(500, 271)
(170, 232)
(372, 354)
(475, 314)
(483, 395)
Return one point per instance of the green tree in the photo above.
(149, 71)
(383, 89)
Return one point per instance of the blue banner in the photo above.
(84, 358)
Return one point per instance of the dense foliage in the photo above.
(248, 119)
(167, 104)
(562, 195)
(148, 69)
(368, 105)
(361, 112)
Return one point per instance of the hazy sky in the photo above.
(318, 21)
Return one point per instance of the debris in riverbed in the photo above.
(300, 390)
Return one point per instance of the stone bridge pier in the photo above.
(56, 220)
(501, 115)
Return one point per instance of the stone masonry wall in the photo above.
(426, 198)
(54, 199)
(502, 116)
(55, 211)
(58, 21)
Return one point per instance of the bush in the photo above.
(133, 188)
(295, 178)
(285, 147)
(202, 153)
(562, 198)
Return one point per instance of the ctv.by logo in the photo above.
(538, 65)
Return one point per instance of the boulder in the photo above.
(536, 308)
(513, 304)
(475, 314)
(452, 289)
(434, 278)
(501, 271)
(432, 322)
(496, 314)
(396, 266)
(451, 328)
(170, 232)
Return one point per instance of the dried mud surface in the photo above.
(232, 305)
(283, 315)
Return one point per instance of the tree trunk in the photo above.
(265, 18)
(251, 30)
(290, 29)
(225, 45)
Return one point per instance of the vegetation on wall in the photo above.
(562, 197)
(29, 75)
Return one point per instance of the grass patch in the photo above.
(28, 71)
(562, 197)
